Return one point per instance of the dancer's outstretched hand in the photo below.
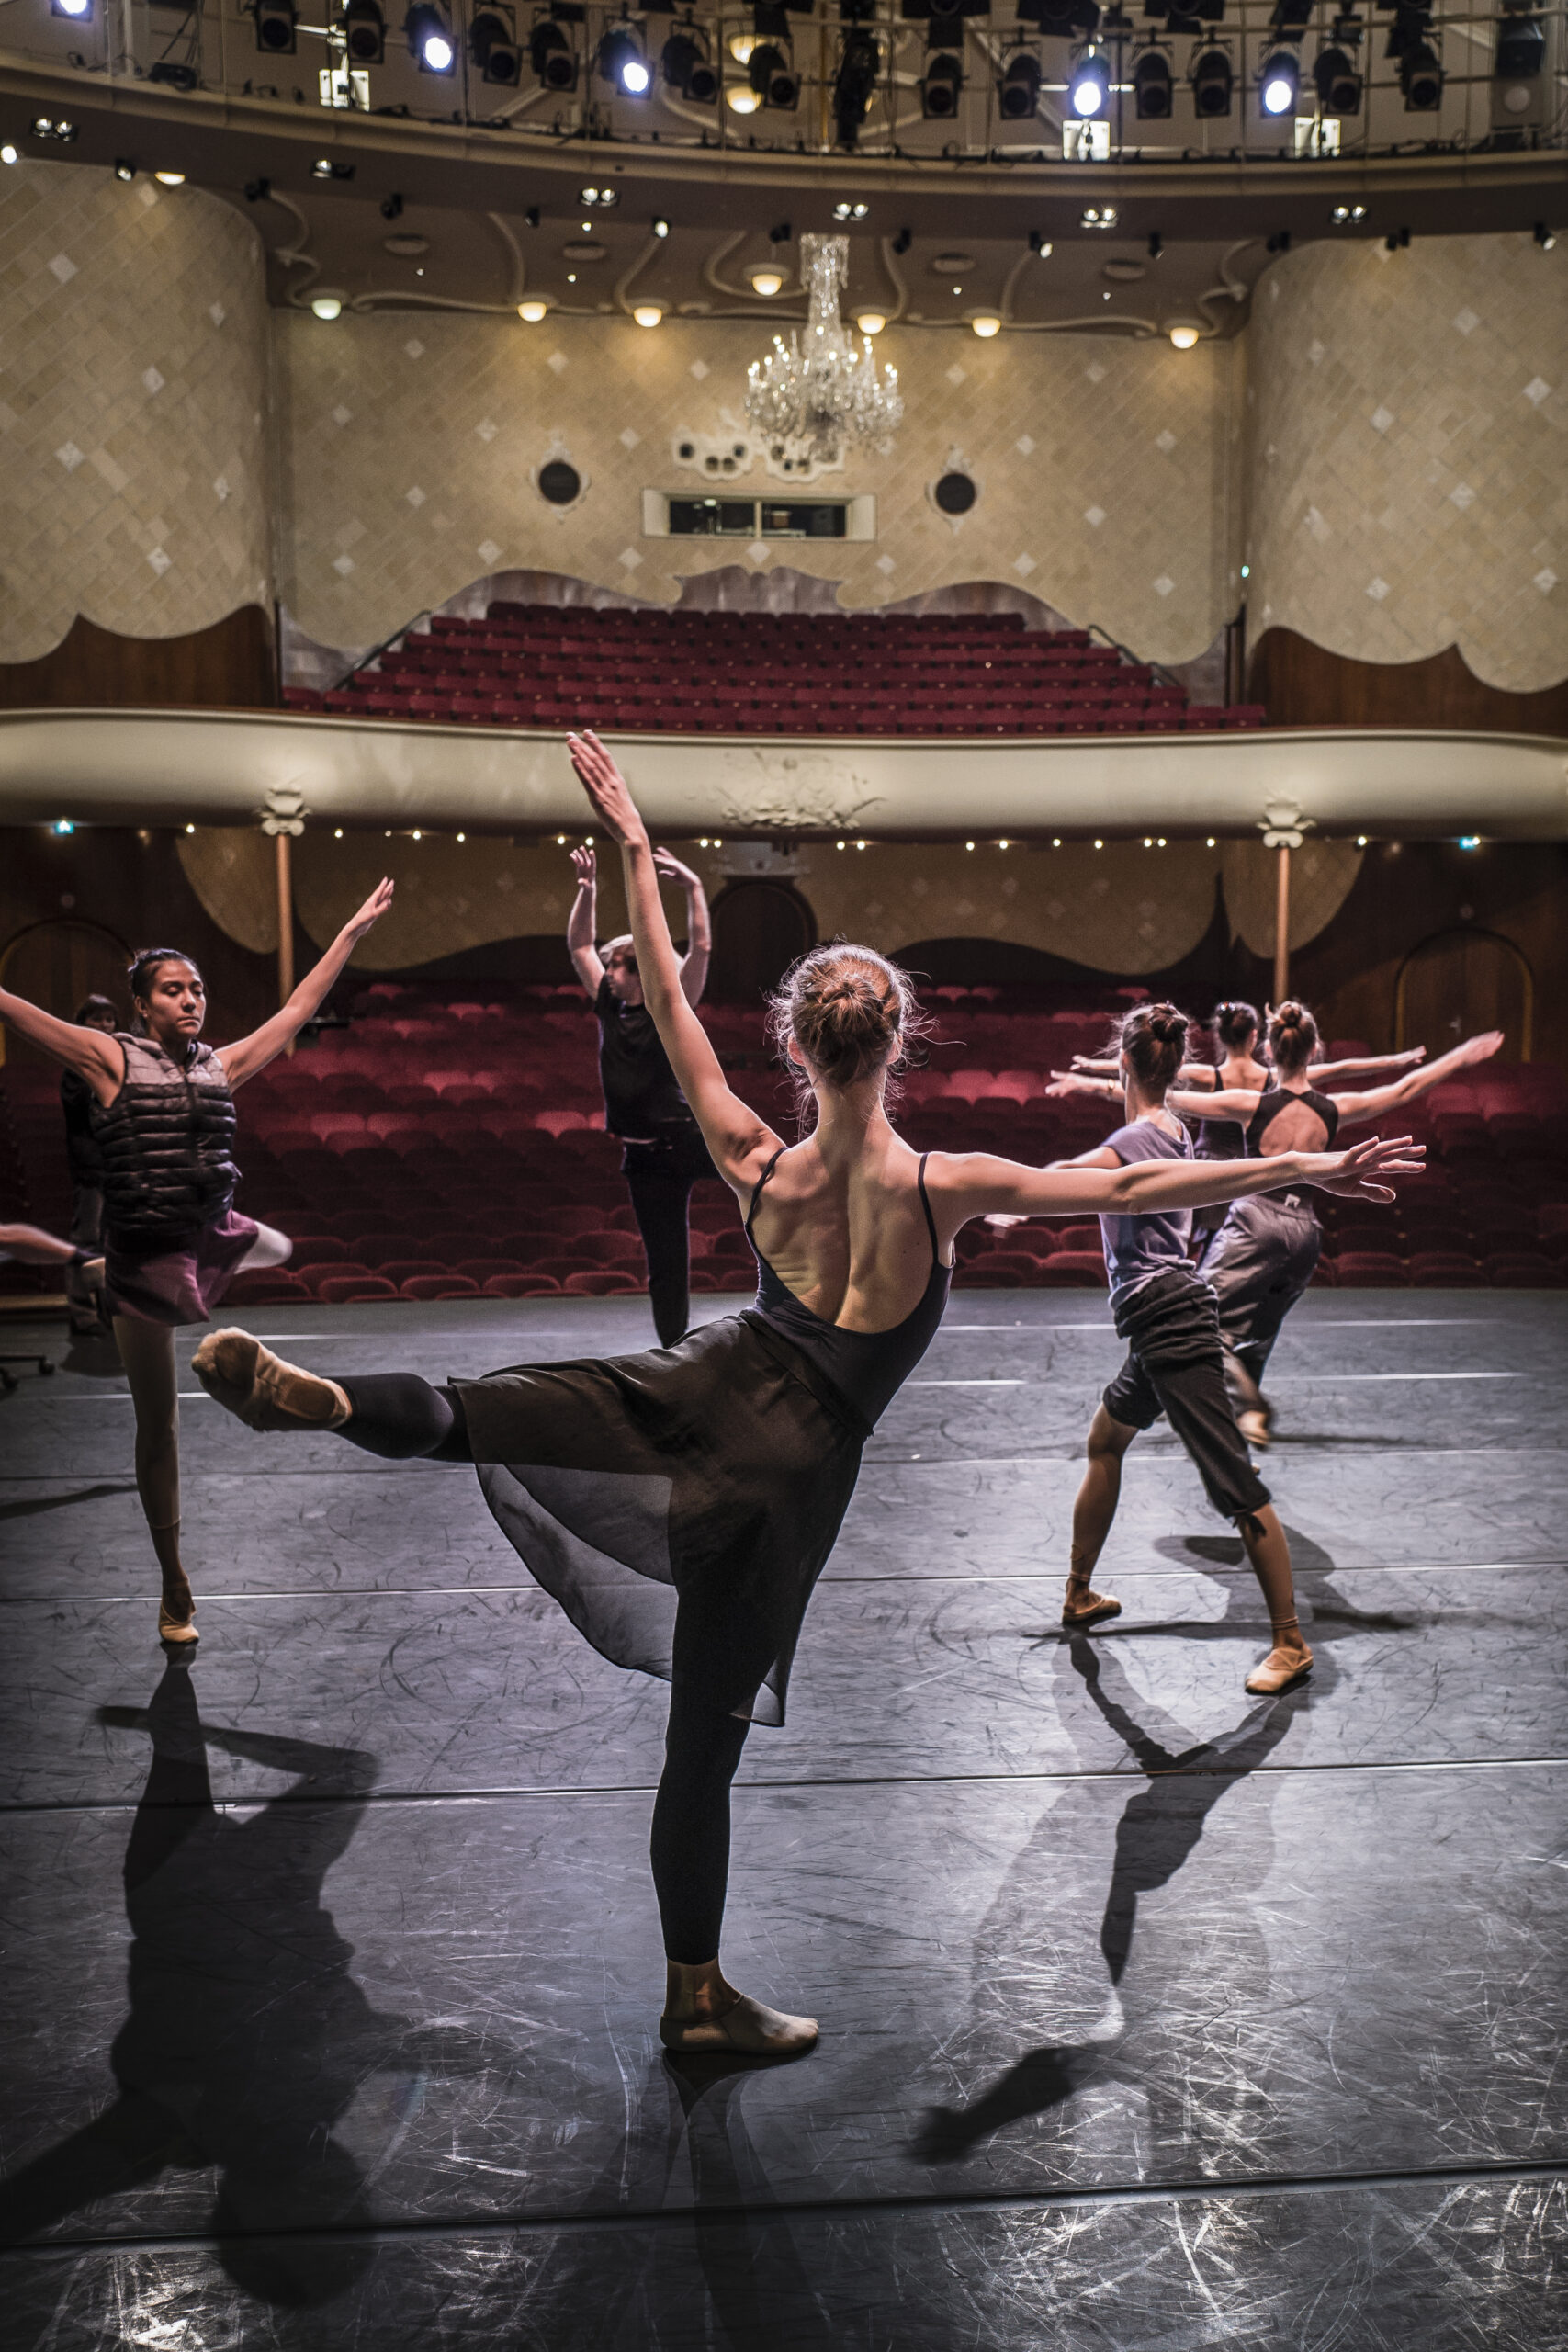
(671, 870)
(1482, 1049)
(1355, 1171)
(370, 913)
(606, 787)
(585, 866)
(1076, 1082)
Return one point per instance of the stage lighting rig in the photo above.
(769, 69)
(622, 63)
(1018, 90)
(428, 32)
(78, 12)
(1153, 95)
(1335, 71)
(551, 54)
(942, 84)
(1279, 83)
(1421, 79)
(855, 84)
(1214, 81)
(1089, 87)
(363, 32)
(686, 65)
(492, 45)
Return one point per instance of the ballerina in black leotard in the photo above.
(680, 1504)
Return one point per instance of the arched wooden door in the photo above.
(1459, 982)
(759, 928)
(56, 965)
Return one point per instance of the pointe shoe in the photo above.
(750, 2029)
(178, 1632)
(1280, 1670)
(1097, 1606)
(261, 1390)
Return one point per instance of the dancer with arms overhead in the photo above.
(163, 1121)
(680, 1504)
(664, 1154)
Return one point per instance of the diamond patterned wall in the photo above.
(1408, 453)
(132, 372)
(1102, 468)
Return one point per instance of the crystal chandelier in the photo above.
(807, 402)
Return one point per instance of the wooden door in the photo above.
(1459, 982)
(56, 965)
(759, 928)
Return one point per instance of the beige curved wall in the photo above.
(1408, 453)
(133, 367)
(1103, 466)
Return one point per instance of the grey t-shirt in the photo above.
(1139, 1247)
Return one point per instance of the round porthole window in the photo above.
(955, 493)
(559, 483)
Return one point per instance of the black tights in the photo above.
(402, 1418)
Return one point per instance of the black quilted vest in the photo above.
(167, 1146)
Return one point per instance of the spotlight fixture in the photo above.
(986, 324)
(1397, 241)
(531, 311)
(552, 57)
(603, 199)
(1545, 237)
(1213, 79)
(942, 85)
(1183, 337)
(78, 11)
(1156, 244)
(1017, 92)
(1338, 82)
(1278, 84)
(327, 306)
(903, 241)
(430, 40)
(323, 168)
(772, 77)
(1421, 79)
(855, 84)
(363, 32)
(648, 315)
(124, 169)
(55, 126)
(1279, 242)
(1040, 244)
(1520, 56)
(687, 67)
(851, 211)
(1151, 96)
(1346, 216)
(621, 63)
(8, 154)
(258, 191)
(1088, 89)
(276, 26)
(660, 228)
(1098, 216)
(492, 45)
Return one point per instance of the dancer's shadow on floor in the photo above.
(247, 2037)
(1160, 1828)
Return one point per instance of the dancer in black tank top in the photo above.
(680, 1504)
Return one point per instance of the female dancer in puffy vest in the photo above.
(162, 1115)
(1266, 1248)
(680, 1504)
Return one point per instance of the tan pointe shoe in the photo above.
(178, 1632)
(1284, 1666)
(261, 1390)
(1089, 1610)
(749, 2029)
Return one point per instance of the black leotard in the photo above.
(1270, 1105)
(1219, 1138)
(867, 1368)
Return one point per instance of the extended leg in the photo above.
(661, 1204)
(689, 1849)
(147, 1352)
(1094, 1509)
(1269, 1550)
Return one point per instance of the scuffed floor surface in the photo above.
(1155, 2016)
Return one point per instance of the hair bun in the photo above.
(850, 1010)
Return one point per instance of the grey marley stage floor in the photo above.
(1154, 2016)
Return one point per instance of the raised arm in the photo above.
(248, 1055)
(1106, 1066)
(94, 1057)
(581, 923)
(1355, 1108)
(974, 1184)
(1368, 1065)
(740, 1141)
(699, 936)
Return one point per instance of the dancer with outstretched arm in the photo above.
(163, 1121)
(680, 1504)
(664, 1154)
(1266, 1252)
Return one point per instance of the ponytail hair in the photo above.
(1292, 1036)
(1235, 1025)
(1154, 1039)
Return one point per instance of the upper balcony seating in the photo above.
(764, 674)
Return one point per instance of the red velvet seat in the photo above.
(342, 1290)
(1369, 1270)
(530, 1285)
(605, 1281)
(439, 1285)
(268, 1286)
(1073, 1270)
(1524, 1270)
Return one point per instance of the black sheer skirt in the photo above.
(680, 1504)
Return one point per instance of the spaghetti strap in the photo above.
(757, 1187)
(931, 1221)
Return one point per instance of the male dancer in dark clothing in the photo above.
(87, 1170)
(664, 1154)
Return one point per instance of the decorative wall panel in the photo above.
(133, 342)
(413, 444)
(1408, 453)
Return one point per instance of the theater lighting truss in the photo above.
(431, 45)
(276, 24)
(1213, 82)
(1089, 87)
(76, 12)
(854, 82)
(941, 83)
(551, 56)
(1154, 93)
(770, 68)
(363, 31)
(687, 67)
(492, 45)
(1279, 81)
(622, 62)
(1520, 87)
(1337, 72)
(1018, 89)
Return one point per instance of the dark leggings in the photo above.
(402, 1418)
(661, 1194)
